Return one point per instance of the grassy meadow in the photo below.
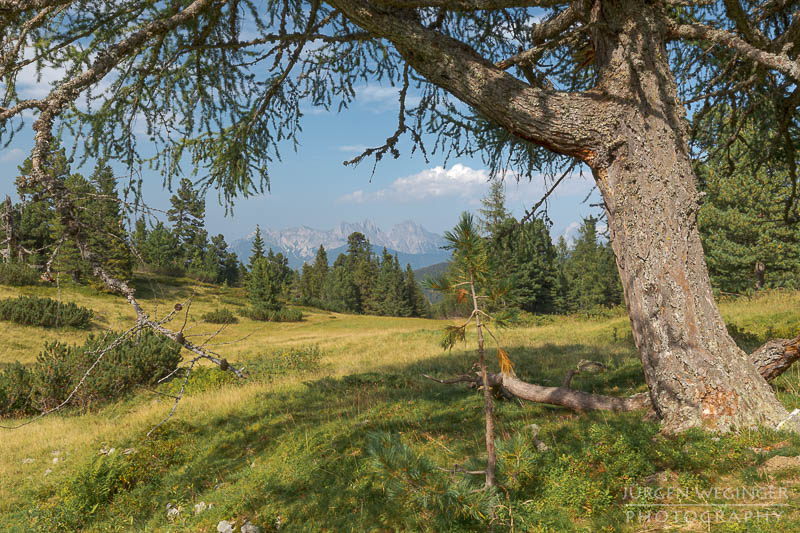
(337, 430)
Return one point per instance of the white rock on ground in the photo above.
(224, 527)
(250, 528)
(200, 507)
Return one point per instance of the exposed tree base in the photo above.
(772, 359)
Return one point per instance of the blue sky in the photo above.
(312, 187)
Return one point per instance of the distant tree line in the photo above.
(360, 281)
(749, 242)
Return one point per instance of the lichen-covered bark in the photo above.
(696, 374)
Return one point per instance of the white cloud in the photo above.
(466, 183)
(352, 148)
(570, 231)
(12, 155)
(458, 181)
(379, 99)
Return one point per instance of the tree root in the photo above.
(772, 359)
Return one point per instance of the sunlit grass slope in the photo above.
(294, 446)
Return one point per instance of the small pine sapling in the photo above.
(469, 279)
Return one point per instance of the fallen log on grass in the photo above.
(772, 359)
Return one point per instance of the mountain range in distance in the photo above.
(412, 243)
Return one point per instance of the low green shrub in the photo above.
(270, 315)
(220, 316)
(45, 312)
(15, 387)
(18, 274)
(141, 360)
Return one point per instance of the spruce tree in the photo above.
(139, 238)
(263, 289)
(591, 272)
(257, 250)
(561, 300)
(35, 226)
(304, 286)
(340, 292)
(108, 232)
(159, 250)
(415, 297)
(319, 271)
(526, 256)
(186, 215)
(747, 240)
(363, 267)
(69, 258)
(388, 296)
(493, 213)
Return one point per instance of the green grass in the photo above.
(336, 430)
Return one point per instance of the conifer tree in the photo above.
(340, 292)
(139, 238)
(108, 232)
(493, 213)
(748, 241)
(159, 249)
(524, 258)
(257, 250)
(415, 297)
(388, 296)
(319, 271)
(305, 285)
(363, 266)
(37, 217)
(186, 215)
(263, 289)
(69, 259)
(561, 298)
(591, 272)
(469, 280)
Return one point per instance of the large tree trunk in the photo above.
(697, 375)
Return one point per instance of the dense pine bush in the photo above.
(271, 315)
(45, 312)
(141, 360)
(220, 316)
(17, 274)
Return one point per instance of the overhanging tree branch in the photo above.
(780, 61)
(469, 5)
(553, 119)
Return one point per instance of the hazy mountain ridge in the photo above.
(411, 242)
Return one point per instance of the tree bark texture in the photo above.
(697, 375)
